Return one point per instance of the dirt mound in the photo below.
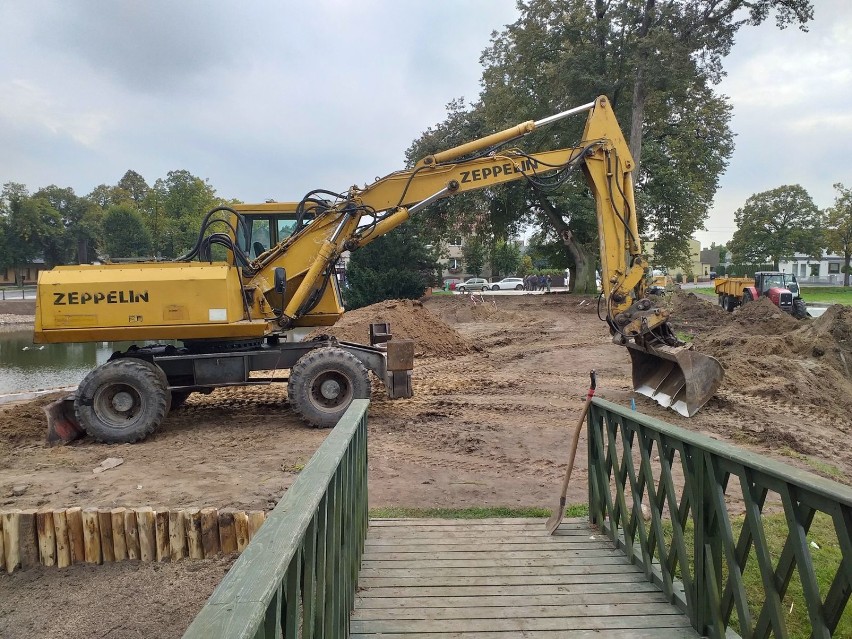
(408, 319)
(25, 421)
(462, 309)
(692, 314)
(769, 355)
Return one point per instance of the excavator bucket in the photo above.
(62, 424)
(675, 377)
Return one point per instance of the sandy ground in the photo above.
(498, 386)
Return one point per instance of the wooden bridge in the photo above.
(504, 578)
(659, 556)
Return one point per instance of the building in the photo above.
(697, 268)
(22, 276)
(453, 267)
(827, 269)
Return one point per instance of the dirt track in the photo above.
(496, 392)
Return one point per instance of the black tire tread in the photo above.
(304, 370)
(132, 366)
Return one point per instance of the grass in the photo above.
(577, 510)
(826, 557)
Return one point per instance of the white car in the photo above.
(508, 284)
(473, 284)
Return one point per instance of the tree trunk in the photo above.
(583, 277)
(847, 257)
(640, 91)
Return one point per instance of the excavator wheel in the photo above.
(324, 382)
(122, 401)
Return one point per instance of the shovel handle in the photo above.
(576, 437)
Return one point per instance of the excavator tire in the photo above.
(324, 382)
(800, 309)
(122, 401)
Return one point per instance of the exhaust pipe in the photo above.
(675, 377)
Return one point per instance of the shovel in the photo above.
(559, 513)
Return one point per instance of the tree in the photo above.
(135, 186)
(838, 228)
(74, 240)
(395, 266)
(32, 228)
(173, 211)
(505, 258)
(474, 253)
(775, 224)
(123, 232)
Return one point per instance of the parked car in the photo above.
(473, 284)
(508, 284)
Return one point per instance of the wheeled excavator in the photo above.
(242, 314)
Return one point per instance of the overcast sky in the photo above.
(272, 99)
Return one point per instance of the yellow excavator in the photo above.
(277, 280)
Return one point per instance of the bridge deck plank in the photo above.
(449, 579)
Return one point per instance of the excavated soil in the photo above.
(499, 382)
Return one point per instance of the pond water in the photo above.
(25, 366)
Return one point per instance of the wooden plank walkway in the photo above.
(501, 578)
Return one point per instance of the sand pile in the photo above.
(459, 309)
(769, 354)
(409, 320)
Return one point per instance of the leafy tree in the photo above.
(32, 227)
(505, 258)
(395, 266)
(838, 231)
(775, 224)
(123, 232)
(474, 253)
(74, 241)
(102, 196)
(135, 186)
(174, 208)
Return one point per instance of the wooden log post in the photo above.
(177, 535)
(2, 546)
(131, 534)
(119, 537)
(147, 534)
(92, 536)
(105, 530)
(162, 530)
(227, 532)
(63, 542)
(75, 535)
(241, 528)
(46, 537)
(255, 521)
(11, 542)
(192, 526)
(28, 538)
(210, 532)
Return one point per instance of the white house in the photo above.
(827, 269)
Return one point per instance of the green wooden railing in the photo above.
(666, 496)
(298, 576)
